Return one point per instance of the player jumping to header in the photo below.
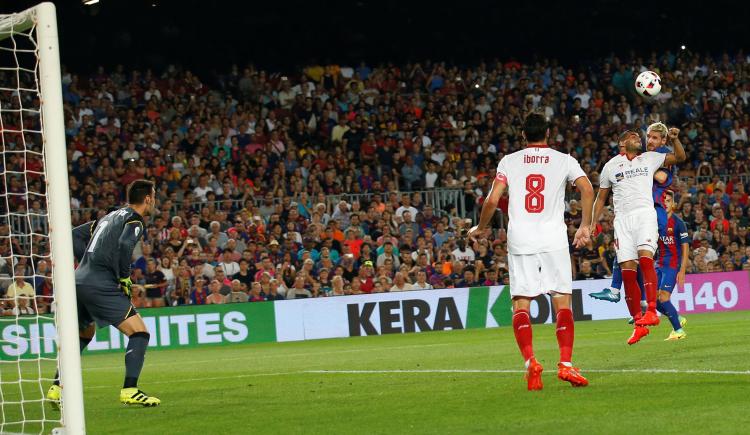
(539, 259)
(103, 287)
(656, 137)
(630, 177)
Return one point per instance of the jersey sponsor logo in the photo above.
(618, 176)
(635, 172)
(667, 240)
(535, 159)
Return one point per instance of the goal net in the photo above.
(37, 295)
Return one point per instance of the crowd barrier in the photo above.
(347, 316)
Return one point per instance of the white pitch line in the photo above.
(428, 371)
(459, 371)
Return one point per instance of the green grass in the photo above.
(268, 388)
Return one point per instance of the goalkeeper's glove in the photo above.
(126, 284)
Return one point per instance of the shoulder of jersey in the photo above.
(133, 217)
(613, 160)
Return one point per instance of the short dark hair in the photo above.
(138, 190)
(535, 127)
(627, 133)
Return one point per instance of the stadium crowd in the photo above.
(246, 168)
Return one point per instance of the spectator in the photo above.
(298, 291)
(421, 282)
(215, 297)
(20, 294)
(155, 285)
(273, 292)
(337, 288)
(365, 277)
(463, 252)
(400, 284)
(587, 272)
(388, 254)
(237, 294)
(228, 265)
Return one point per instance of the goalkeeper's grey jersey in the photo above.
(109, 253)
(81, 237)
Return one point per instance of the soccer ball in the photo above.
(648, 84)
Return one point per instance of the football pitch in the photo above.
(467, 381)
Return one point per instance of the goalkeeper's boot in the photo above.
(676, 335)
(534, 375)
(648, 319)
(53, 396)
(571, 374)
(134, 396)
(638, 333)
(608, 294)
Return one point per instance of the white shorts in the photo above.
(536, 274)
(634, 232)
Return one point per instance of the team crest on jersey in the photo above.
(670, 230)
(619, 176)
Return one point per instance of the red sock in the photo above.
(632, 291)
(649, 281)
(522, 330)
(565, 334)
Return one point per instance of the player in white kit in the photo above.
(539, 257)
(630, 176)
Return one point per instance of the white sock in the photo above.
(567, 364)
(615, 291)
(527, 363)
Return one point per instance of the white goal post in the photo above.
(29, 49)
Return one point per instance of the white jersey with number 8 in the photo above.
(536, 177)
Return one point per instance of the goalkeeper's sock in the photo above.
(134, 357)
(82, 343)
(632, 291)
(669, 310)
(522, 330)
(565, 334)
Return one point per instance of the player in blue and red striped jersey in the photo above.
(671, 264)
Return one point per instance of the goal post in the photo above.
(29, 42)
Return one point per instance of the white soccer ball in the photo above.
(648, 84)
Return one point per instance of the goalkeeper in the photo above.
(103, 286)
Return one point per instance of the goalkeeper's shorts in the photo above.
(105, 306)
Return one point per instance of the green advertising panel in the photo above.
(171, 327)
